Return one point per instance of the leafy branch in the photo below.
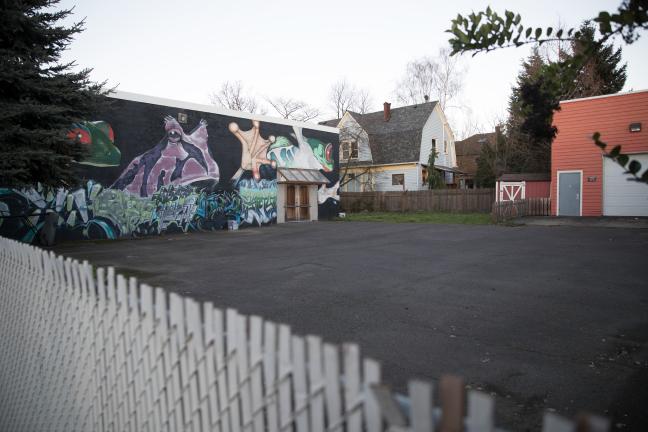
(632, 167)
(487, 30)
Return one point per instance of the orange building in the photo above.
(583, 181)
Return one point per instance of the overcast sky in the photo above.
(184, 50)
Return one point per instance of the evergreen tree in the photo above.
(434, 178)
(40, 97)
(529, 130)
(485, 174)
(495, 159)
(602, 72)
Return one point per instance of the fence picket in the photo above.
(451, 394)
(211, 368)
(332, 388)
(196, 375)
(256, 372)
(231, 360)
(179, 369)
(299, 384)
(420, 394)
(316, 383)
(221, 372)
(552, 422)
(373, 417)
(352, 400)
(284, 379)
(481, 412)
(270, 375)
(244, 373)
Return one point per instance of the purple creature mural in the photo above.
(178, 159)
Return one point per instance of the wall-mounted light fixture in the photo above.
(182, 118)
(635, 127)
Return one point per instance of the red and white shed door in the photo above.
(511, 191)
(620, 196)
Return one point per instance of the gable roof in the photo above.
(399, 139)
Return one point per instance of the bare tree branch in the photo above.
(364, 102)
(232, 95)
(469, 125)
(293, 109)
(342, 97)
(439, 77)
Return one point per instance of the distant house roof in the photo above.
(526, 177)
(473, 144)
(469, 149)
(397, 140)
(332, 122)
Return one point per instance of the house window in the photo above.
(434, 145)
(398, 179)
(445, 146)
(353, 184)
(349, 150)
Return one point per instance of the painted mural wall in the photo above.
(151, 169)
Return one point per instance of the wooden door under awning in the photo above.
(297, 202)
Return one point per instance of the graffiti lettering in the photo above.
(258, 200)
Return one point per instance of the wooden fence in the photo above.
(506, 210)
(445, 200)
(87, 349)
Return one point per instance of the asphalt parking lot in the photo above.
(542, 317)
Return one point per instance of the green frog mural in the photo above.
(99, 140)
(310, 153)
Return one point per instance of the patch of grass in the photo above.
(420, 217)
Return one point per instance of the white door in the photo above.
(511, 191)
(622, 197)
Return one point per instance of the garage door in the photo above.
(620, 196)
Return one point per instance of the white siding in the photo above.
(349, 128)
(437, 128)
(412, 179)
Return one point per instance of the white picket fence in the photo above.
(88, 350)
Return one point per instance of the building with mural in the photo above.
(155, 165)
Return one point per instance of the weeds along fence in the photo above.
(87, 349)
(444, 200)
(507, 210)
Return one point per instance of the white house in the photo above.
(389, 150)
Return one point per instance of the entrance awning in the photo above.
(303, 176)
